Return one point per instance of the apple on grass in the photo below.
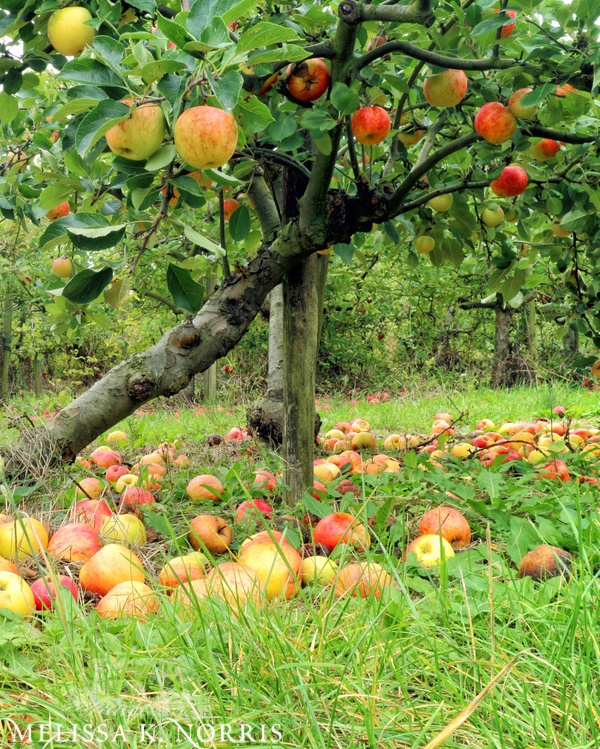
(92, 511)
(89, 487)
(495, 123)
(68, 30)
(211, 533)
(544, 562)
(275, 561)
(22, 539)
(205, 137)
(204, 487)
(318, 569)
(45, 592)
(128, 598)
(183, 569)
(429, 550)
(114, 473)
(74, 542)
(7, 566)
(113, 564)
(451, 523)
(371, 125)
(15, 594)
(256, 508)
(341, 528)
(237, 584)
(307, 80)
(123, 529)
(362, 579)
(140, 135)
(446, 89)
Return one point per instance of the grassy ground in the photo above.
(316, 672)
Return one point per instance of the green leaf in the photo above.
(317, 119)
(239, 223)
(344, 99)
(574, 220)
(57, 232)
(96, 238)
(491, 483)
(255, 115)
(207, 244)
(538, 95)
(161, 158)
(154, 71)
(289, 52)
(512, 285)
(86, 285)
(9, 108)
(322, 142)
(227, 89)
(90, 71)
(320, 509)
(265, 34)
(117, 293)
(54, 194)
(12, 81)
(173, 31)
(345, 251)
(95, 124)
(110, 49)
(186, 293)
(491, 24)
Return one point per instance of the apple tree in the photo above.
(351, 119)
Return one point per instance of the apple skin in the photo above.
(544, 562)
(545, 149)
(7, 566)
(362, 579)
(136, 495)
(508, 29)
(129, 598)
(113, 564)
(341, 528)
(237, 584)
(180, 570)
(428, 550)
(44, 591)
(307, 80)
(68, 32)
(256, 508)
(117, 437)
(62, 267)
(515, 106)
(93, 512)
(452, 524)
(114, 473)
(59, 211)
(264, 480)
(91, 487)
(371, 125)
(22, 539)
(211, 533)
(74, 542)
(140, 135)
(446, 89)
(495, 123)
(127, 530)
(230, 206)
(424, 244)
(15, 594)
(363, 441)
(512, 181)
(106, 458)
(276, 562)
(205, 487)
(555, 470)
(441, 203)
(205, 137)
(491, 217)
(318, 569)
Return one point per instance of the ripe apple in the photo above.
(508, 28)
(44, 590)
(136, 495)
(127, 530)
(264, 481)
(453, 525)
(106, 458)
(557, 229)
(307, 80)
(183, 569)
(363, 441)
(544, 562)
(210, 532)
(205, 487)
(565, 90)
(424, 244)
(428, 549)
(68, 31)
(254, 507)
(276, 562)
(92, 511)
(62, 267)
(22, 539)
(230, 205)
(8, 566)
(371, 125)
(320, 569)
(410, 133)
(114, 473)
(515, 106)
(128, 598)
(555, 470)
(113, 564)
(206, 137)
(15, 594)
(512, 181)
(237, 584)
(492, 217)
(544, 149)
(140, 135)
(323, 472)
(74, 542)
(362, 579)
(118, 437)
(89, 487)
(341, 528)
(495, 123)
(441, 203)
(375, 42)
(446, 89)
(59, 211)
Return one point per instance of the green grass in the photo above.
(351, 673)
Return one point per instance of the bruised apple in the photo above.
(307, 80)
(451, 523)
(211, 533)
(341, 528)
(544, 562)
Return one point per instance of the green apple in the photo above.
(140, 135)
(320, 569)
(441, 202)
(492, 217)
(424, 244)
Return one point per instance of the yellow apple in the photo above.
(22, 539)
(123, 529)
(441, 202)
(320, 569)
(68, 31)
(206, 137)
(140, 135)
(428, 549)
(492, 217)
(129, 598)
(15, 594)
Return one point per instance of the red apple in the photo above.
(371, 125)
(254, 507)
(264, 480)
(90, 487)
(211, 533)
(205, 487)
(452, 524)
(44, 591)
(230, 205)
(59, 211)
(136, 495)
(307, 80)
(206, 137)
(93, 512)
(341, 528)
(74, 542)
(495, 123)
(181, 570)
(507, 29)
(555, 470)
(544, 562)
(106, 458)
(544, 149)
(114, 472)
(446, 89)
(512, 181)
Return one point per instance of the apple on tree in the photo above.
(518, 109)
(512, 181)
(371, 125)
(59, 211)
(68, 31)
(205, 137)
(446, 89)
(307, 80)
(492, 217)
(140, 135)
(495, 123)
(62, 267)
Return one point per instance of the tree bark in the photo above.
(571, 343)
(300, 346)
(7, 318)
(38, 363)
(209, 377)
(500, 373)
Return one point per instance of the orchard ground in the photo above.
(318, 672)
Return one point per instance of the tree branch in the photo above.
(354, 13)
(166, 302)
(546, 132)
(277, 156)
(264, 207)
(418, 202)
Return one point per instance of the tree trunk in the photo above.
(532, 332)
(7, 316)
(38, 363)
(571, 343)
(300, 346)
(209, 377)
(501, 370)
